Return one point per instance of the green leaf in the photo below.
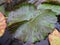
(37, 28)
(54, 8)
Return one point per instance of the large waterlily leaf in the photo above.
(37, 28)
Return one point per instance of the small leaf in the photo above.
(54, 8)
(54, 38)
